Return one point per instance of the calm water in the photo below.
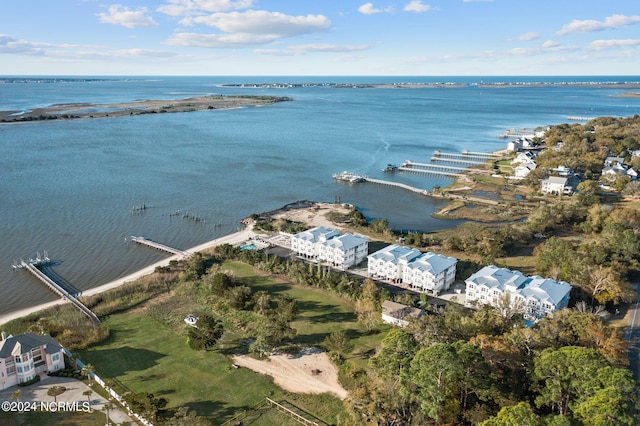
(68, 187)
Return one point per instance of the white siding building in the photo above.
(398, 314)
(389, 262)
(430, 272)
(24, 356)
(556, 185)
(534, 296)
(343, 251)
(306, 244)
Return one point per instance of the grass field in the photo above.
(147, 355)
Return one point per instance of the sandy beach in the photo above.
(234, 238)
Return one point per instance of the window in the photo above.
(55, 357)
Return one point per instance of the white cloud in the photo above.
(550, 44)
(612, 44)
(249, 28)
(121, 15)
(528, 36)
(368, 9)
(588, 26)
(417, 7)
(198, 7)
(11, 45)
(302, 49)
(265, 23)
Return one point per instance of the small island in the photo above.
(89, 110)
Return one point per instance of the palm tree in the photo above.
(54, 391)
(108, 406)
(16, 395)
(88, 394)
(88, 371)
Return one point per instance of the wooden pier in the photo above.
(161, 247)
(459, 160)
(64, 294)
(412, 164)
(399, 185)
(467, 155)
(429, 171)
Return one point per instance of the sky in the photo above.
(320, 37)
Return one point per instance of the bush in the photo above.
(30, 382)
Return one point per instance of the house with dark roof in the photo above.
(24, 356)
(398, 314)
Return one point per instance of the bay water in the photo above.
(73, 187)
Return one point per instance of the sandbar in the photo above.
(89, 110)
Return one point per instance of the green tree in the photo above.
(398, 349)
(88, 370)
(206, 333)
(54, 391)
(338, 342)
(434, 373)
(16, 394)
(88, 394)
(520, 414)
(564, 375)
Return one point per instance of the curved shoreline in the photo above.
(235, 238)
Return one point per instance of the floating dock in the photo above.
(161, 247)
(55, 287)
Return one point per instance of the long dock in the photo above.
(426, 171)
(467, 155)
(399, 185)
(459, 160)
(59, 290)
(161, 247)
(412, 164)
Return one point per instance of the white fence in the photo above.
(111, 392)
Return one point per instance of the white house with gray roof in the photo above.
(388, 263)
(556, 185)
(430, 272)
(344, 250)
(24, 356)
(534, 296)
(307, 243)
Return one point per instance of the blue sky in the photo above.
(320, 37)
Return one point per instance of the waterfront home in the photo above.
(398, 314)
(430, 272)
(343, 251)
(522, 170)
(25, 356)
(306, 243)
(556, 185)
(534, 297)
(388, 263)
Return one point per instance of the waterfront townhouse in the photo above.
(388, 263)
(24, 356)
(534, 297)
(343, 251)
(430, 272)
(306, 244)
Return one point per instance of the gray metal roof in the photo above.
(24, 343)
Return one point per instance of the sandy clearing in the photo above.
(296, 373)
(315, 215)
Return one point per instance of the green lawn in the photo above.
(147, 355)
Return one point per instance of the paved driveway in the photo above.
(74, 388)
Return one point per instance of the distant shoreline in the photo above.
(89, 110)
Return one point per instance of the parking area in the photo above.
(37, 397)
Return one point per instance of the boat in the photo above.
(390, 168)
